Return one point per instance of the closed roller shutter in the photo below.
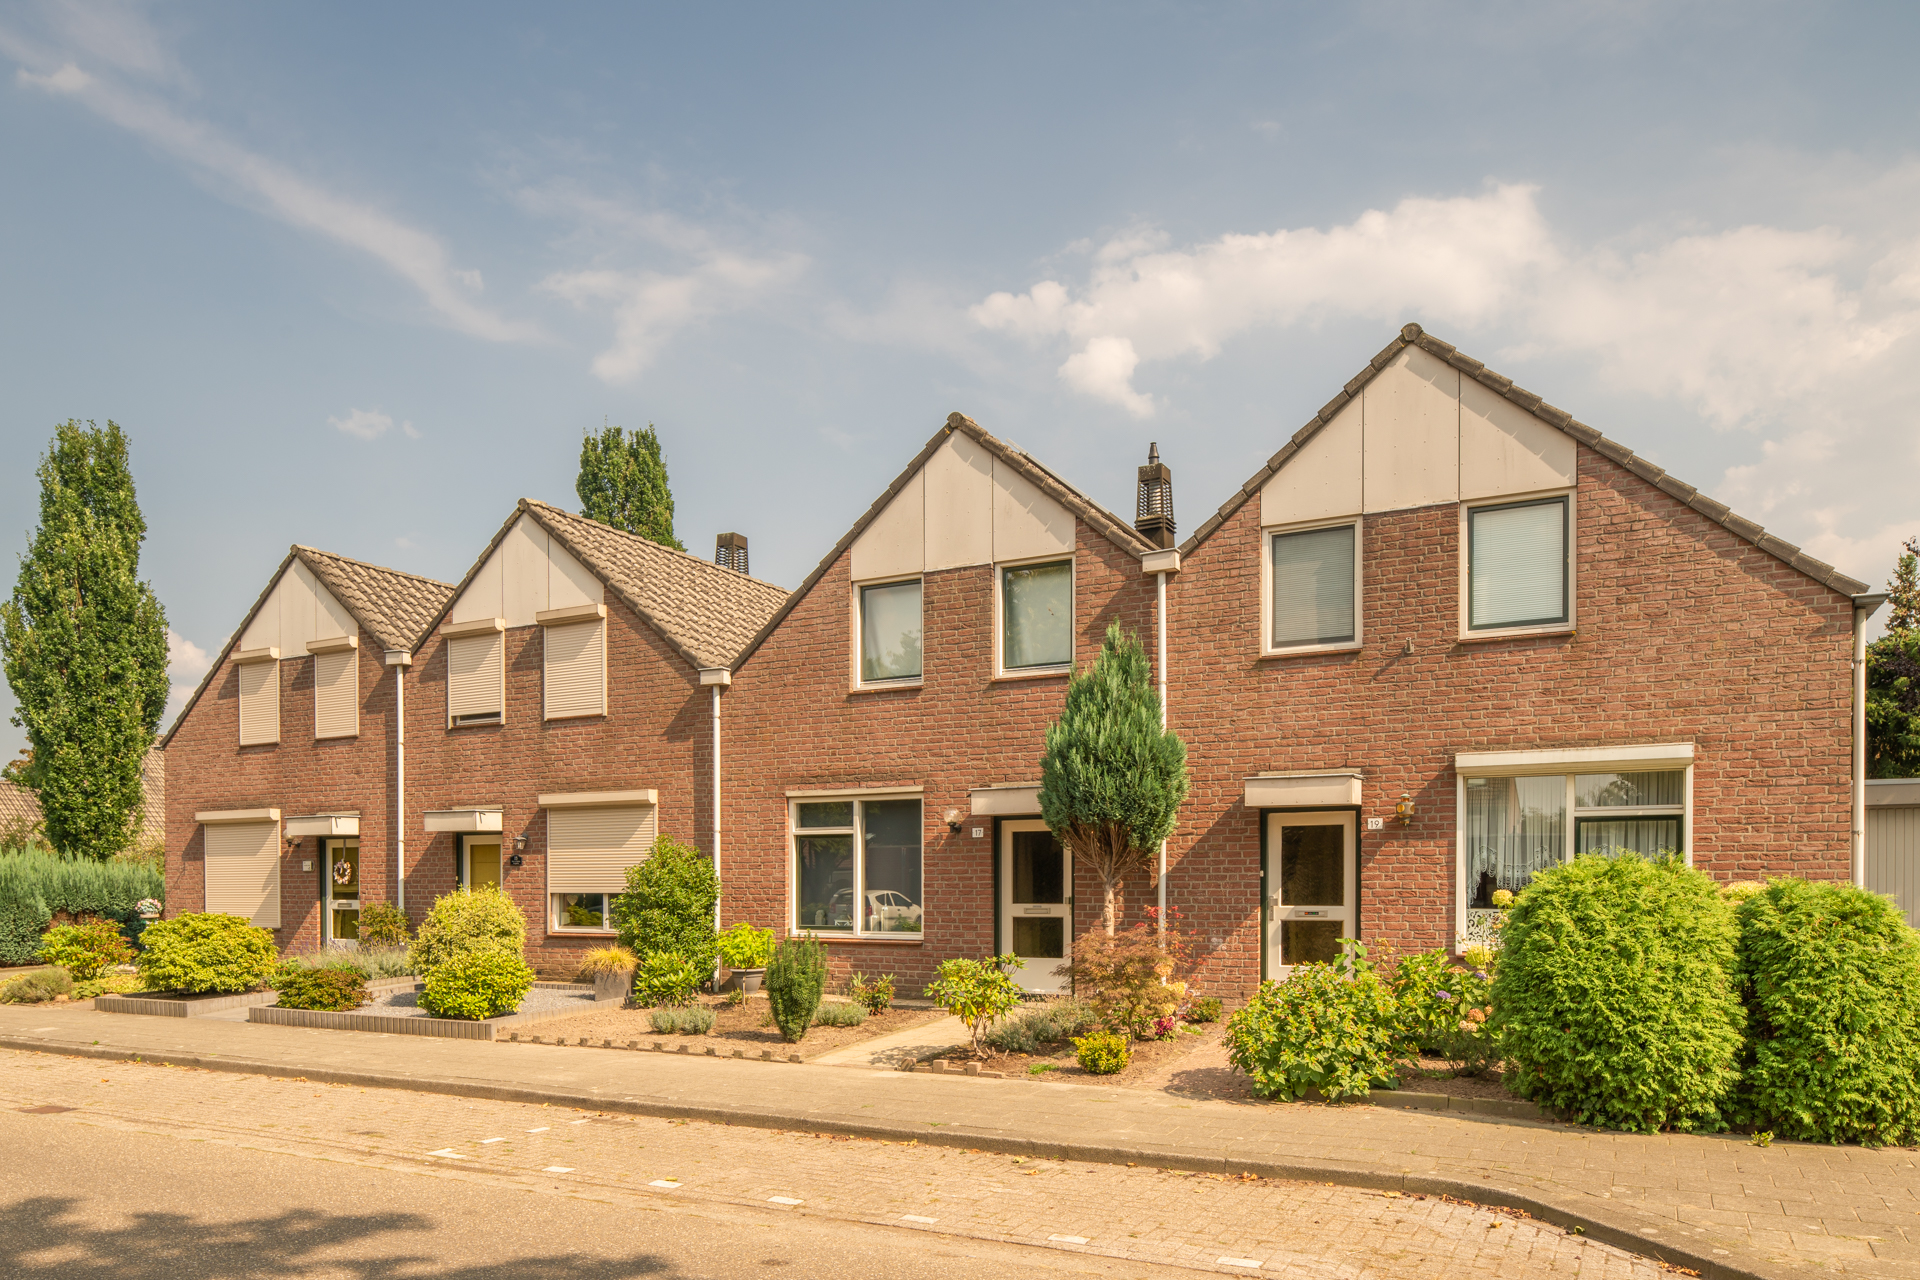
(476, 675)
(243, 869)
(589, 850)
(336, 694)
(259, 703)
(576, 670)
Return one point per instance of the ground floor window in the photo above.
(1512, 828)
(582, 911)
(856, 866)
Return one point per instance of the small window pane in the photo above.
(1041, 938)
(828, 813)
(890, 631)
(892, 866)
(1515, 827)
(1517, 575)
(1313, 866)
(824, 874)
(1313, 587)
(1310, 941)
(1629, 790)
(580, 910)
(1039, 868)
(1037, 615)
(1646, 837)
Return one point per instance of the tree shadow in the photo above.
(56, 1236)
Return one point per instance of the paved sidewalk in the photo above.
(1715, 1204)
(911, 1045)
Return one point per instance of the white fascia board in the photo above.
(1338, 788)
(324, 824)
(1626, 759)
(467, 820)
(1007, 800)
(597, 799)
(237, 815)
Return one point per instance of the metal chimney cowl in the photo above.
(730, 551)
(1153, 513)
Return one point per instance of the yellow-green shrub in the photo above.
(1318, 1029)
(477, 984)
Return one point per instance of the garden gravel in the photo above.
(405, 1003)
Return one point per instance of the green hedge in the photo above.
(1831, 975)
(206, 952)
(35, 884)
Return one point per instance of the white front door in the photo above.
(1036, 901)
(341, 919)
(1312, 888)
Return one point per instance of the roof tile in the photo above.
(396, 608)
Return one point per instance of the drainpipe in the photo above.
(1160, 564)
(716, 679)
(399, 660)
(1863, 608)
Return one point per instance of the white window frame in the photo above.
(795, 832)
(855, 669)
(1000, 669)
(1267, 648)
(555, 924)
(1666, 757)
(1470, 634)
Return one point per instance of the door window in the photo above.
(343, 891)
(483, 864)
(1036, 903)
(1312, 888)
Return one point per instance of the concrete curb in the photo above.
(1329, 1173)
(184, 1007)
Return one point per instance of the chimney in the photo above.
(730, 550)
(1153, 516)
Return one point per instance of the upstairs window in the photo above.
(1519, 565)
(259, 697)
(575, 656)
(890, 632)
(476, 678)
(1036, 616)
(1314, 585)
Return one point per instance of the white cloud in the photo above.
(369, 424)
(187, 664)
(1104, 369)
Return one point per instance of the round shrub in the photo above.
(334, 990)
(1831, 975)
(1103, 1053)
(383, 925)
(1205, 1009)
(664, 980)
(85, 950)
(477, 984)
(1320, 1030)
(464, 921)
(1614, 997)
(205, 953)
(839, 1013)
(668, 905)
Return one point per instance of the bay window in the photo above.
(856, 866)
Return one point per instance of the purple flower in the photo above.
(1444, 995)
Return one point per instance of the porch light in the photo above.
(1403, 811)
(953, 821)
(520, 842)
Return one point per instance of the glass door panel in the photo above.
(1036, 902)
(1312, 888)
(343, 892)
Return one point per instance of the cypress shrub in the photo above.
(796, 976)
(35, 884)
(1831, 975)
(1614, 997)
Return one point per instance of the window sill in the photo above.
(885, 688)
(1038, 673)
(876, 938)
(580, 931)
(1312, 651)
(584, 715)
(1519, 633)
(495, 723)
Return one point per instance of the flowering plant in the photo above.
(148, 908)
(1444, 1010)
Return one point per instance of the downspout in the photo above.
(716, 679)
(1160, 616)
(399, 660)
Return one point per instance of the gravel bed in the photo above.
(405, 1003)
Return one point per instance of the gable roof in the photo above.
(705, 612)
(1414, 336)
(1030, 469)
(393, 607)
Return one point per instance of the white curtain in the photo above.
(1515, 827)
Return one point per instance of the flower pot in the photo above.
(612, 986)
(747, 980)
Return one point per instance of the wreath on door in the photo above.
(343, 872)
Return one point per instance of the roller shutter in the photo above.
(476, 676)
(259, 703)
(576, 683)
(243, 869)
(589, 850)
(336, 694)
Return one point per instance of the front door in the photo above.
(1312, 890)
(483, 862)
(1036, 901)
(343, 892)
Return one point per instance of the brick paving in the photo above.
(1716, 1203)
(1144, 1215)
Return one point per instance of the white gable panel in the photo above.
(1026, 522)
(1322, 480)
(568, 581)
(959, 502)
(481, 599)
(1504, 449)
(894, 544)
(298, 609)
(1411, 422)
(523, 572)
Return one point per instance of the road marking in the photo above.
(668, 1183)
(558, 1168)
(542, 1129)
(448, 1152)
(914, 1217)
(1238, 1262)
(485, 1141)
(783, 1200)
(1068, 1239)
(589, 1120)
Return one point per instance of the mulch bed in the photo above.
(746, 1026)
(1154, 1064)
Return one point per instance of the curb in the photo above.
(1328, 1173)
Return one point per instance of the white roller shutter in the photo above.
(259, 703)
(476, 676)
(576, 683)
(589, 850)
(243, 869)
(336, 694)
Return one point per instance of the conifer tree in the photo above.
(85, 644)
(1112, 780)
(623, 483)
(1893, 676)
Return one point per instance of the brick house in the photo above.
(283, 763)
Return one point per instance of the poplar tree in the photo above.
(623, 483)
(85, 644)
(1112, 779)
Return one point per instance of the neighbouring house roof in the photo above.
(704, 611)
(1116, 530)
(395, 608)
(1414, 336)
(20, 807)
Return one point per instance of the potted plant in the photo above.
(611, 970)
(745, 951)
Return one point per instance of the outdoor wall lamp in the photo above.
(953, 821)
(1404, 810)
(520, 842)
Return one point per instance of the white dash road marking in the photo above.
(668, 1183)
(586, 1121)
(1068, 1239)
(783, 1200)
(485, 1141)
(448, 1152)
(542, 1129)
(914, 1217)
(1238, 1262)
(558, 1168)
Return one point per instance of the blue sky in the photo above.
(359, 275)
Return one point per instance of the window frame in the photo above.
(547, 629)
(856, 667)
(1569, 584)
(1267, 537)
(1001, 671)
(857, 833)
(554, 924)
